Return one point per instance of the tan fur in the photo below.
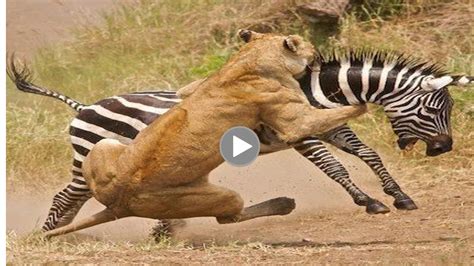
(189, 89)
(163, 172)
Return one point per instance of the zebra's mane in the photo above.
(357, 57)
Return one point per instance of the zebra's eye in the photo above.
(432, 110)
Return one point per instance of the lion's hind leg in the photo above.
(272, 207)
(204, 200)
(198, 200)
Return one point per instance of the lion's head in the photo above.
(272, 54)
(284, 58)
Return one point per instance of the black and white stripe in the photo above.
(393, 82)
(413, 94)
(21, 76)
(119, 117)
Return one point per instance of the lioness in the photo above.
(163, 173)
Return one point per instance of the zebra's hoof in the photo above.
(405, 204)
(376, 207)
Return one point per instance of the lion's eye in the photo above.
(432, 110)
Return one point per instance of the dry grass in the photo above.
(151, 44)
(169, 43)
(423, 237)
(441, 32)
(154, 44)
(34, 242)
(165, 45)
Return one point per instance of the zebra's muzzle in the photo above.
(439, 145)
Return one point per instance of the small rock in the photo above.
(326, 11)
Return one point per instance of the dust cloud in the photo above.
(285, 173)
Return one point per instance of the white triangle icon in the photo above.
(239, 146)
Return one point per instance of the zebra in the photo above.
(413, 94)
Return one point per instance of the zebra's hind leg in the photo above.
(166, 228)
(345, 139)
(69, 215)
(314, 150)
(67, 203)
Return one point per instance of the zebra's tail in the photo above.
(463, 80)
(21, 76)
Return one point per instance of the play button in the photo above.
(239, 146)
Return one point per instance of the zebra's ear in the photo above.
(463, 80)
(432, 84)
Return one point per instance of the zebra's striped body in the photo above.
(395, 83)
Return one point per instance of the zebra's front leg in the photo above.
(345, 139)
(314, 150)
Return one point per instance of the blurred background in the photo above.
(90, 49)
(94, 49)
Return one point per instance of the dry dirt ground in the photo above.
(441, 232)
(326, 227)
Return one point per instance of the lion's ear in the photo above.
(245, 35)
(292, 43)
(248, 35)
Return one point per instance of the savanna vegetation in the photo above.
(167, 44)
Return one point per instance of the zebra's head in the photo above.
(413, 93)
(425, 114)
